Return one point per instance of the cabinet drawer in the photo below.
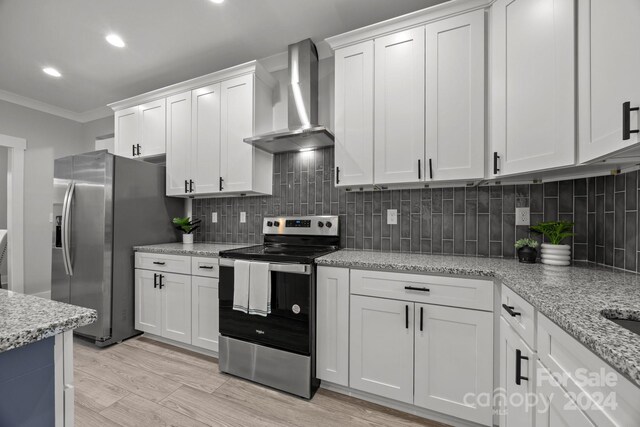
(519, 314)
(207, 267)
(166, 263)
(453, 291)
(588, 377)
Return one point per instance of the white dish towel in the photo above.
(259, 289)
(241, 271)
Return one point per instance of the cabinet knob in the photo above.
(320, 224)
(328, 224)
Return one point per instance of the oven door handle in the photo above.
(280, 268)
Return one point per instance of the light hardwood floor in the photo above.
(142, 382)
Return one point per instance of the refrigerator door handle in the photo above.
(66, 232)
(63, 226)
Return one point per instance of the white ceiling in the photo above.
(168, 41)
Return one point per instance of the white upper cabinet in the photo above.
(152, 128)
(354, 114)
(179, 144)
(205, 139)
(140, 130)
(399, 107)
(206, 121)
(532, 81)
(127, 132)
(236, 124)
(455, 98)
(609, 60)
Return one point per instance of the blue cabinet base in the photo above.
(27, 385)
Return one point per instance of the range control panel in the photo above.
(323, 225)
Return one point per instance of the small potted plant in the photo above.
(527, 252)
(187, 227)
(555, 253)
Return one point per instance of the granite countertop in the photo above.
(572, 297)
(25, 319)
(195, 249)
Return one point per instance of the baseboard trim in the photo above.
(400, 406)
(45, 294)
(184, 346)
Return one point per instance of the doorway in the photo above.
(12, 212)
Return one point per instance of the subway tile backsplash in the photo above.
(463, 220)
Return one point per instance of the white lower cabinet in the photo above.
(382, 347)
(204, 312)
(431, 356)
(148, 302)
(453, 361)
(517, 360)
(163, 304)
(175, 290)
(561, 410)
(178, 306)
(332, 325)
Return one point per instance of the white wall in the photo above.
(48, 137)
(97, 128)
(3, 187)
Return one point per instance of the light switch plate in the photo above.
(522, 216)
(243, 217)
(392, 216)
(214, 216)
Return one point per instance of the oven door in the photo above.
(289, 326)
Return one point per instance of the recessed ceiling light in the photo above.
(115, 40)
(302, 150)
(217, 1)
(52, 72)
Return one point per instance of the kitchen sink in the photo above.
(630, 324)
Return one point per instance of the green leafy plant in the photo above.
(554, 231)
(526, 242)
(186, 225)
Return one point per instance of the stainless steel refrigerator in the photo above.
(103, 205)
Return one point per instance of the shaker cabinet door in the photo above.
(332, 330)
(354, 115)
(453, 361)
(399, 107)
(609, 57)
(381, 356)
(148, 312)
(236, 156)
(455, 98)
(179, 171)
(533, 79)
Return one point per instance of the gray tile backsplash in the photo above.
(463, 220)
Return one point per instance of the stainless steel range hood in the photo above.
(303, 132)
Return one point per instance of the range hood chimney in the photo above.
(303, 133)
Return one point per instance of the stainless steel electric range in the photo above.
(278, 350)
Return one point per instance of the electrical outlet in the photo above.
(522, 216)
(392, 216)
(243, 217)
(214, 216)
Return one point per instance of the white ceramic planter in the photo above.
(187, 239)
(555, 254)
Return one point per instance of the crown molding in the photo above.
(405, 22)
(34, 104)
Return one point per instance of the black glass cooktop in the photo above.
(279, 253)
